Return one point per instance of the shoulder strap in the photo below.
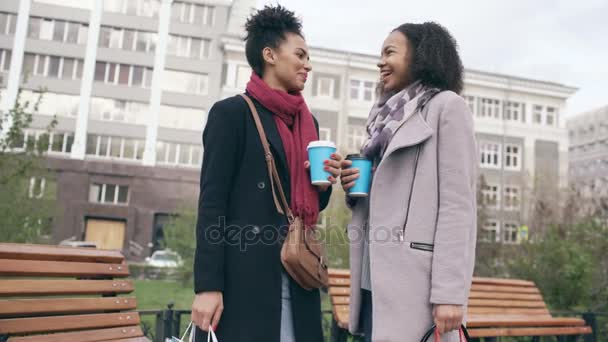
(270, 164)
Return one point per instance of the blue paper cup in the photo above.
(318, 152)
(362, 184)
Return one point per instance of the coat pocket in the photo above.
(421, 246)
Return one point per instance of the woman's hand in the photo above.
(448, 317)
(332, 166)
(348, 176)
(207, 309)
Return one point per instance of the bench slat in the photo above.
(16, 307)
(58, 253)
(506, 303)
(134, 339)
(339, 282)
(507, 311)
(529, 331)
(337, 272)
(500, 281)
(522, 321)
(501, 289)
(504, 295)
(23, 287)
(339, 291)
(15, 267)
(85, 336)
(64, 323)
(335, 300)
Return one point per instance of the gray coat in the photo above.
(406, 279)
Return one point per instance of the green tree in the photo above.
(27, 187)
(180, 236)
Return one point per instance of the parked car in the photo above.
(164, 258)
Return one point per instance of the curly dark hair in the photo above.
(267, 28)
(435, 60)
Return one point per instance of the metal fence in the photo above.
(161, 325)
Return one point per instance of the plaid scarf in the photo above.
(389, 113)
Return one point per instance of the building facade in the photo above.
(130, 82)
(588, 133)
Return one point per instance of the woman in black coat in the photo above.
(238, 273)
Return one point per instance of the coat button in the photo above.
(261, 185)
(256, 230)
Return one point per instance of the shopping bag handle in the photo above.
(210, 336)
(462, 331)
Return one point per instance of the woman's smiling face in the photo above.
(395, 61)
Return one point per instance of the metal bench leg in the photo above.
(591, 321)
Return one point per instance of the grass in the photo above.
(156, 294)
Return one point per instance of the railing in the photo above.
(164, 324)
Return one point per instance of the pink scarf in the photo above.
(296, 128)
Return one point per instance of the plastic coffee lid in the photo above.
(321, 143)
(355, 156)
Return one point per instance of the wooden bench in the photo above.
(51, 293)
(496, 307)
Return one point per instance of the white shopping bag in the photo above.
(192, 329)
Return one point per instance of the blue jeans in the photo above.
(365, 316)
(287, 333)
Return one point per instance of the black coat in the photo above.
(239, 230)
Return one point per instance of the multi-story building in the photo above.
(131, 80)
(588, 134)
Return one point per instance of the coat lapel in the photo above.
(272, 134)
(413, 132)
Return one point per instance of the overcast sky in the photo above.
(564, 41)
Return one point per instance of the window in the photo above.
(357, 135)
(324, 133)
(189, 47)
(182, 118)
(52, 103)
(184, 82)
(325, 87)
(178, 154)
(114, 147)
(193, 13)
(490, 154)
(537, 114)
(5, 60)
(472, 103)
(511, 197)
(109, 194)
(52, 66)
(490, 231)
(57, 30)
(142, 8)
(514, 111)
(36, 188)
(122, 74)
(510, 232)
(118, 110)
(126, 39)
(490, 108)
(490, 193)
(59, 142)
(551, 117)
(243, 74)
(513, 157)
(362, 90)
(8, 22)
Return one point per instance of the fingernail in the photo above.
(326, 162)
(326, 168)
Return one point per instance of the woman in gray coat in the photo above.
(412, 247)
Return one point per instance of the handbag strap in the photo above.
(270, 164)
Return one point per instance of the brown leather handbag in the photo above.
(302, 253)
